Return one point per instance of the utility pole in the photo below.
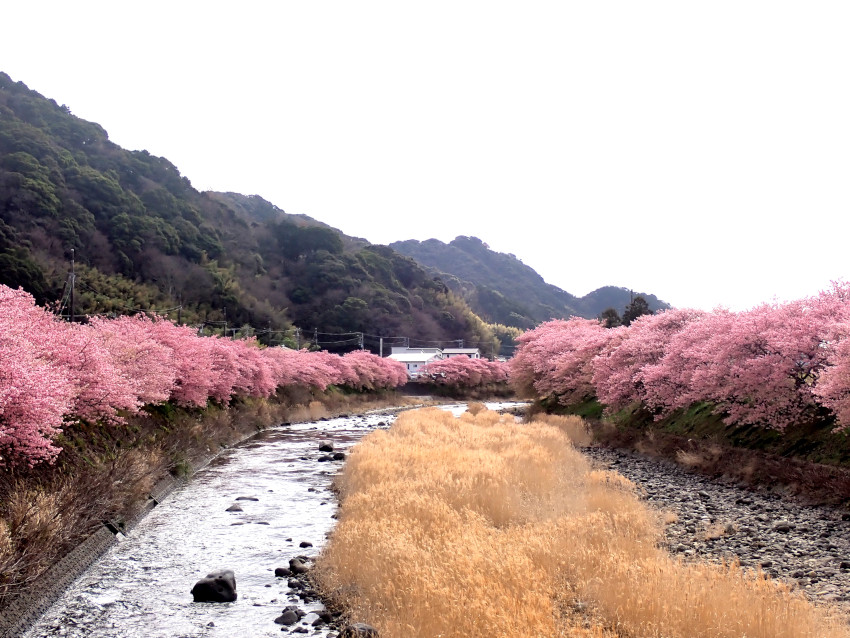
(298, 338)
(316, 337)
(360, 339)
(381, 347)
(73, 281)
(225, 322)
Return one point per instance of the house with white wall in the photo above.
(415, 358)
(472, 353)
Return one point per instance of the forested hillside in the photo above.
(144, 239)
(502, 289)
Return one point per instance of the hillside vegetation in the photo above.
(502, 289)
(145, 239)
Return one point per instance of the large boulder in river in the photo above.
(326, 446)
(217, 587)
(359, 630)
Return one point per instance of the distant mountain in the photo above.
(258, 212)
(502, 289)
(143, 238)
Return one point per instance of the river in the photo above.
(141, 586)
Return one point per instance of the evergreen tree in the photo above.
(637, 308)
(611, 318)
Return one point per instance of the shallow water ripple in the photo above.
(140, 587)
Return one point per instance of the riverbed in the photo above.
(141, 586)
(281, 482)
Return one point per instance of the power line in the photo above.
(350, 338)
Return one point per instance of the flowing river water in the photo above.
(141, 586)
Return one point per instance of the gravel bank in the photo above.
(808, 547)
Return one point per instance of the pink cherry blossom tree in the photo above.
(144, 362)
(195, 376)
(35, 392)
(618, 372)
(555, 359)
(757, 367)
(833, 385)
(465, 372)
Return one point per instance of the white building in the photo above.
(415, 358)
(472, 353)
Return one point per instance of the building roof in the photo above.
(460, 351)
(414, 357)
(403, 349)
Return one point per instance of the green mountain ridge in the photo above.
(502, 289)
(143, 239)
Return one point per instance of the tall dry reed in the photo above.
(479, 526)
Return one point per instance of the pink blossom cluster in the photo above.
(53, 372)
(465, 372)
(771, 366)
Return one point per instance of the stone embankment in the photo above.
(808, 547)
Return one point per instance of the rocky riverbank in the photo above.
(707, 519)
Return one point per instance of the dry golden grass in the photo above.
(299, 413)
(717, 530)
(317, 410)
(475, 407)
(479, 526)
(573, 426)
(701, 458)
(312, 411)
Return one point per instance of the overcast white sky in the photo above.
(699, 151)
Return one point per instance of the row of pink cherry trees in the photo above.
(52, 372)
(770, 366)
(465, 373)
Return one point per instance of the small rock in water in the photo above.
(217, 587)
(326, 446)
(282, 572)
(247, 498)
(305, 544)
(288, 617)
(359, 630)
(339, 456)
(234, 508)
(297, 566)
